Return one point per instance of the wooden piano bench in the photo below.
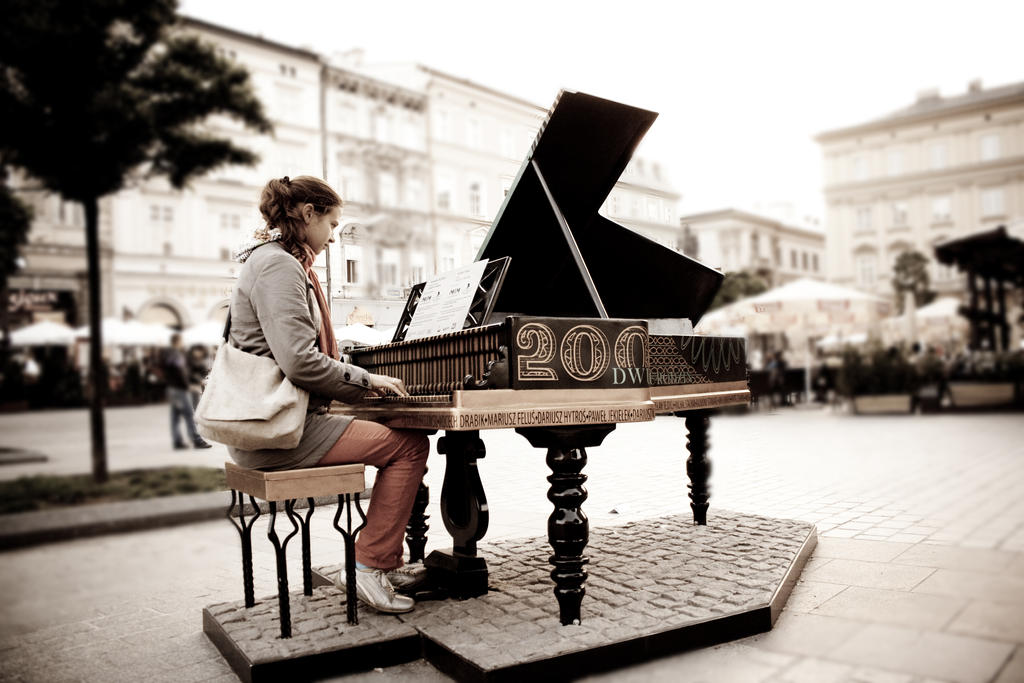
(345, 481)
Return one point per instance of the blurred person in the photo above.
(198, 368)
(278, 310)
(777, 379)
(176, 378)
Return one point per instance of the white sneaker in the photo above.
(408, 577)
(373, 588)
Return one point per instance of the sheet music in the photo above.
(445, 301)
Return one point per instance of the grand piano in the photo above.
(578, 324)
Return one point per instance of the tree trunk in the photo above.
(97, 376)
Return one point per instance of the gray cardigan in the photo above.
(274, 313)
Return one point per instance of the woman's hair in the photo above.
(281, 206)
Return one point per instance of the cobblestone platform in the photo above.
(655, 587)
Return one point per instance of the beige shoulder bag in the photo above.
(248, 403)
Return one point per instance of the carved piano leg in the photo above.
(698, 467)
(568, 528)
(416, 529)
(464, 512)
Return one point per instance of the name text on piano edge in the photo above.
(532, 418)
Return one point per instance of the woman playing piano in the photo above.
(278, 309)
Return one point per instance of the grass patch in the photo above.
(41, 492)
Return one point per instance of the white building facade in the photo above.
(941, 168)
(735, 240)
(422, 159)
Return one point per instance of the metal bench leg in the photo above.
(245, 533)
(349, 535)
(307, 566)
(282, 566)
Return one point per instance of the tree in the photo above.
(738, 285)
(910, 274)
(99, 94)
(15, 220)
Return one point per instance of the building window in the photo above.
(992, 202)
(225, 254)
(413, 192)
(352, 271)
(899, 213)
(866, 270)
(803, 260)
(230, 221)
(445, 182)
(814, 262)
(990, 147)
(387, 274)
(792, 259)
(168, 248)
(894, 162)
(863, 218)
(506, 144)
(387, 189)
(475, 200)
(473, 136)
(286, 70)
(652, 208)
(860, 168)
(444, 125)
(938, 156)
(941, 209)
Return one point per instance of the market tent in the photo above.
(358, 334)
(45, 333)
(837, 341)
(209, 333)
(800, 309)
(940, 322)
(131, 333)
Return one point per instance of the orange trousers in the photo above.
(400, 456)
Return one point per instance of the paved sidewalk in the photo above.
(918, 575)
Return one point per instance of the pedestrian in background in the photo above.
(176, 377)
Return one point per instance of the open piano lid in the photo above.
(567, 260)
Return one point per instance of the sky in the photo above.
(742, 88)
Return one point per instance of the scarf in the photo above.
(328, 344)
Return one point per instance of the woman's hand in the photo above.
(382, 385)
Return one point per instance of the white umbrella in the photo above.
(361, 335)
(45, 333)
(209, 333)
(132, 333)
(803, 309)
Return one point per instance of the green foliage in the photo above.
(736, 286)
(95, 91)
(879, 371)
(48, 491)
(15, 219)
(910, 274)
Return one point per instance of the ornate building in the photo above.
(734, 240)
(940, 168)
(422, 158)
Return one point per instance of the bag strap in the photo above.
(227, 325)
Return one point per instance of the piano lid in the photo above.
(567, 260)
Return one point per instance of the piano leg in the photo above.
(416, 529)
(568, 527)
(698, 467)
(464, 512)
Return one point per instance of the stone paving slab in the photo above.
(322, 639)
(656, 586)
